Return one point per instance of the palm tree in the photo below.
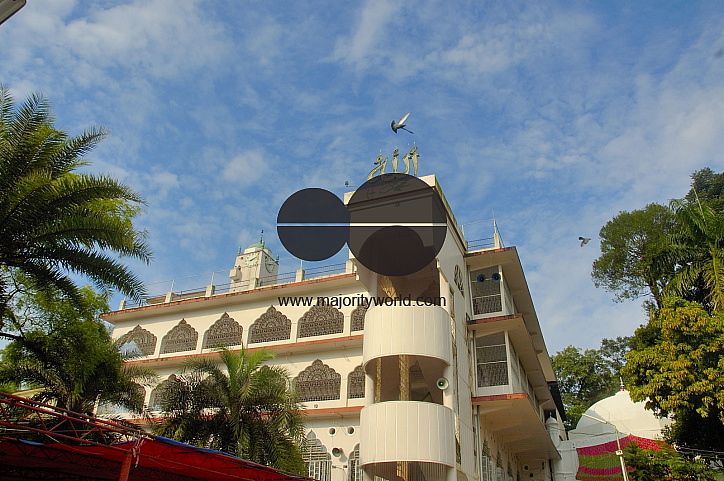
(699, 250)
(55, 221)
(72, 359)
(246, 408)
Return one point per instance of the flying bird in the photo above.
(401, 124)
(584, 240)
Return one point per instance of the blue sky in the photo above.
(555, 116)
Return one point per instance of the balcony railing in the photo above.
(193, 287)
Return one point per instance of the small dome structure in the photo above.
(259, 246)
(619, 410)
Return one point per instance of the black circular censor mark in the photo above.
(394, 224)
(397, 224)
(313, 242)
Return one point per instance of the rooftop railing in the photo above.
(194, 287)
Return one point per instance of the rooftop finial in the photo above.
(239, 253)
(261, 237)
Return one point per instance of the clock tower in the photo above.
(255, 267)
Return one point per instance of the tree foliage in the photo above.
(633, 261)
(54, 220)
(585, 377)
(65, 351)
(707, 187)
(678, 366)
(698, 249)
(664, 464)
(247, 409)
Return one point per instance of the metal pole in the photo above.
(619, 453)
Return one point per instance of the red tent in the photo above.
(83, 447)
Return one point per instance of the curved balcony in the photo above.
(416, 330)
(407, 431)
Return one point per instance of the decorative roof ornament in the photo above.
(381, 164)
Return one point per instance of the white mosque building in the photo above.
(460, 389)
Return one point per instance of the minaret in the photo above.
(254, 267)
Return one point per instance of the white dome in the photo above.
(628, 416)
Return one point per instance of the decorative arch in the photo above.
(144, 340)
(356, 383)
(321, 320)
(317, 458)
(224, 332)
(157, 393)
(355, 468)
(181, 338)
(270, 326)
(318, 382)
(358, 318)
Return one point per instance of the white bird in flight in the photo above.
(401, 124)
(584, 240)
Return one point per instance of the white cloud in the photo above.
(371, 31)
(246, 168)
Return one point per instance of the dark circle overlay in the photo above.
(394, 224)
(390, 247)
(313, 242)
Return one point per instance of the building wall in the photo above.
(338, 423)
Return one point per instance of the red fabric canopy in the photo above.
(600, 462)
(150, 459)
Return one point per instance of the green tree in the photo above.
(55, 221)
(665, 464)
(678, 367)
(698, 248)
(245, 408)
(68, 353)
(586, 377)
(708, 187)
(583, 378)
(633, 261)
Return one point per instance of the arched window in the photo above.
(318, 382)
(355, 468)
(271, 326)
(317, 459)
(181, 338)
(157, 394)
(356, 383)
(358, 319)
(224, 332)
(321, 320)
(144, 341)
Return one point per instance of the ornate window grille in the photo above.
(486, 295)
(271, 326)
(224, 332)
(181, 338)
(492, 360)
(356, 383)
(157, 394)
(317, 459)
(321, 320)
(318, 382)
(358, 318)
(355, 468)
(143, 339)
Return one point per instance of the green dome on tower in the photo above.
(259, 246)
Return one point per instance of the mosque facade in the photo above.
(450, 380)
